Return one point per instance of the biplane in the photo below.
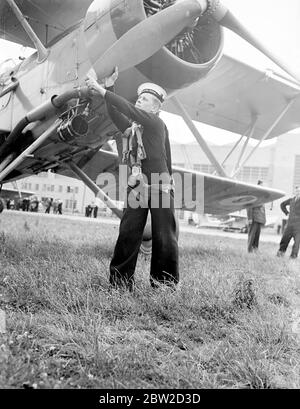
(49, 120)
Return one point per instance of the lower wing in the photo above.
(194, 191)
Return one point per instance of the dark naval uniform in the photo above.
(292, 229)
(164, 260)
(258, 216)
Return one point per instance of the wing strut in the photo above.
(235, 146)
(29, 151)
(213, 160)
(95, 189)
(233, 149)
(41, 49)
(250, 133)
(265, 136)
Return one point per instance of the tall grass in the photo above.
(228, 324)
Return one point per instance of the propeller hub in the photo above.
(202, 3)
(216, 9)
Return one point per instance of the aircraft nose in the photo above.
(141, 41)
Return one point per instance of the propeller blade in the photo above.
(147, 37)
(228, 20)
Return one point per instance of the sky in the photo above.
(275, 22)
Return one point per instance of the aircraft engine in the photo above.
(117, 33)
(189, 56)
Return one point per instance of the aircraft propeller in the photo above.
(148, 36)
(151, 34)
(226, 19)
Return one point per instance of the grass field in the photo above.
(228, 325)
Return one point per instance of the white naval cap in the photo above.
(154, 89)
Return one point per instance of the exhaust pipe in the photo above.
(47, 108)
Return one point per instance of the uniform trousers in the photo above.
(253, 236)
(290, 232)
(164, 258)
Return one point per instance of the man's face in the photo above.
(147, 102)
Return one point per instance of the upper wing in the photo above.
(233, 93)
(199, 191)
(48, 18)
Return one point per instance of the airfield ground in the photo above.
(233, 322)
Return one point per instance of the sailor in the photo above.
(256, 220)
(147, 153)
(292, 229)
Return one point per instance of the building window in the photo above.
(76, 190)
(52, 188)
(252, 174)
(37, 187)
(205, 168)
(297, 171)
(71, 204)
(60, 189)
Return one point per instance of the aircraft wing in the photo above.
(233, 93)
(202, 192)
(48, 18)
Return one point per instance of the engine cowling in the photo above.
(190, 56)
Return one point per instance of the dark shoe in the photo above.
(280, 253)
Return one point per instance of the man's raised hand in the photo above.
(110, 81)
(94, 86)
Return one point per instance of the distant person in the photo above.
(18, 204)
(59, 207)
(88, 210)
(8, 204)
(54, 206)
(292, 228)
(95, 211)
(34, 204)
(97, 206)
(48, 205)
(256, 219)
(25, 204)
